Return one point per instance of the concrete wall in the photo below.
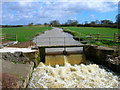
(97, 54)
(100, 56)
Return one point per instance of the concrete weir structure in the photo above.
(55, 43)
(59, 57)
(17, 66)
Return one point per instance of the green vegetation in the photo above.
(25, 33)
(84, 32)
(78, 31)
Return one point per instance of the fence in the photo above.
(5, 36)
(106, 37)
(2, 36)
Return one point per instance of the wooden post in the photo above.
(90, 37)
(16, 37)
(4, 36)
(98, 36)
(114, 37)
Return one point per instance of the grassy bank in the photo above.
(86, 31)
(25, 33)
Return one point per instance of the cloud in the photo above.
(39, 12)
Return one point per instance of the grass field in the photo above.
(25, 33)
(78, 31)
(86, 31)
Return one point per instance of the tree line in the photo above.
(96, 23)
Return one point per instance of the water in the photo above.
(65, 59)
(76, 76)
(60, 59)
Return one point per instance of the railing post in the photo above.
(90, 37)
(98, 36)
(114, 37)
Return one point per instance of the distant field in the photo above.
(84, 31)
(25, 33)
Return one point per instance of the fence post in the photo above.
(16, 37)
(98, 36)
(4, 36)
(114, 37)
(90, 37)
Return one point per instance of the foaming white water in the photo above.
(68, 76)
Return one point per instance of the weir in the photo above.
(63, 74)
(59, 40)
(56, 38)
(53, 58)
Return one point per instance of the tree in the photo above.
(45, 24)
(118, 20)
(106, 22)
(54, 23)
(30, 24)
(71, 22)
(97, 22)
(92, 22)
(86, 22)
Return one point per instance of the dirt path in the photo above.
(56, 36)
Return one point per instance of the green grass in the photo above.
(25, 33)
(92, 30)
(86, 31)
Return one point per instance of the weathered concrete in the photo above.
(97, 54)
(33, 56)
(20, 71)
(55, 37)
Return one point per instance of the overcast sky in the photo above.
(21, 12)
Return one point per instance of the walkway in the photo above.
(56, 36)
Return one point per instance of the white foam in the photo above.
(68, 76)
(12, 50)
